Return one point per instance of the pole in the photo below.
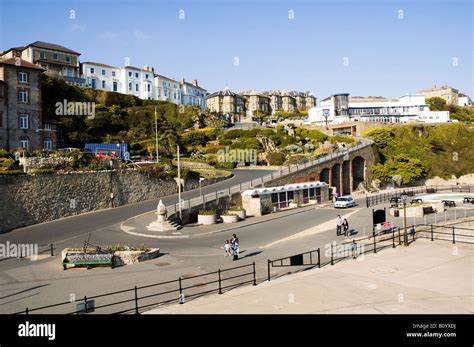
(156, 136)
(268, 270)
(254, 274)
(405, 223)
(220, 286)
(319, 258)
(179, 185)
(136, 300)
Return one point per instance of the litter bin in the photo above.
(396, 213)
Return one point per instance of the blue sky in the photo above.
(385, 55)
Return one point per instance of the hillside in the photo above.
(416, 152)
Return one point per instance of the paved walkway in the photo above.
(426, 277)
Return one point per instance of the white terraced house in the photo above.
(143, 83)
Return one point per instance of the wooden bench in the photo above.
(428, 210)
(88, 259)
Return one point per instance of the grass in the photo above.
(209, 173)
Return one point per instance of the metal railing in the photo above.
(295, 260)
(173, 291)
(228, 192)
(412, 191)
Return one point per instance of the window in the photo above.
(174, 95)
(146, 76)
(24, 144)
(136, 74)
(92, 70)
(23, 96)
(23, 121)
(148, 87)
(47, 126)
(48, 145)
(55, 56)
(129, 74)
(166, 92)
(22, 77)
(103, 84)
(42, 55)
(113, 73)
(103, 72)
(93, 85)
(115, 86)
(130, 86)
(68, 59)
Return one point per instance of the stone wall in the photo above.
(31, 199)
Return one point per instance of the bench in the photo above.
(468, 200)
(415, 201)
(394, 202)
(88, 259)
(428, 210)
(449, 203)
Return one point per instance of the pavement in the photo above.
(425, 277)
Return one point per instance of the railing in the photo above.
(412, 191)
(203, 199)
(172, 291)
(295, 260)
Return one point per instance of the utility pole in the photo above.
(156, 136)
(179, 184)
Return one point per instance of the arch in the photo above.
(324, 175)
(336, 178)
(358, 171)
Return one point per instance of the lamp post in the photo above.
(404, 196)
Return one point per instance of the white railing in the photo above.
(227, 192)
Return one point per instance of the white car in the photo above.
(344, 202)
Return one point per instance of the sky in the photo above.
(365, 48)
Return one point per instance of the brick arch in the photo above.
(359, 171)
(325, 175)
(336, 177)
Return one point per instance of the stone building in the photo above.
(21, 122)
(447, 93)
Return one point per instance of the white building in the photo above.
(167, 89)
(340, 108)
(464, 100)
(138, 82)
(192, 94)
(101, 76)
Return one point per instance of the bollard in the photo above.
(432, 239)
(52, 250)
(375, 242)
(454, 240)
(332, 257)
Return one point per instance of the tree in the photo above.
(436, 103)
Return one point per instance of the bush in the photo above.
(43, 171)
(225, 165)
(207, 212)
(311, 134)
(276, 158)
(4, 154)
(12, 172)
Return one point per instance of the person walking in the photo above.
(345, 226)
(234, 244)
(227, 250)
(338, 225)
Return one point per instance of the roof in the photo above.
(99, 64)
(52, 46)
(435, 88)
(23, 64)
(226, 92)
(288, 187)
(132, 68)
(168, 78)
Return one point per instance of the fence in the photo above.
(385, 197)
(228, 192)
(294, 260)
(139, 297)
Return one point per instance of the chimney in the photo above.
(182, 80)
(195, 83)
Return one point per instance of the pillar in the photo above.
(351, 177)
(341, 181)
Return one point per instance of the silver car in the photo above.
(344, 202)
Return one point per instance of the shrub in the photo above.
(12, 172)
(43, 171)
(207, 212)
(4, 154)
(276, 158)
(311, 133)
(225, 165)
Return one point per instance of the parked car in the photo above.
(344, 202)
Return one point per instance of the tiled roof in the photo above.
(52, 46)
(23, 64)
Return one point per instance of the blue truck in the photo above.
(108, 150)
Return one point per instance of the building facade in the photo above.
(167, 89)
(192, 94)
(21, 122)
(101, 76)
(340, 108)
(447, 93)
(57, 60)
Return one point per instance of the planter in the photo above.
(206, 219)
(240, 213)
(230, 219)
(133, 257)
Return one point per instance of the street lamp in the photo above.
(404, 196)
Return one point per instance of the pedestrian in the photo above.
(345, 226)
(234, 244)
(227, 250)
(338, 225)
